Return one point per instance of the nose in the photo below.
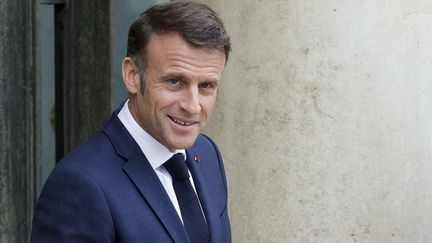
(191, 100)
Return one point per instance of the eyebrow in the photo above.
(173, 75)
(183, 77)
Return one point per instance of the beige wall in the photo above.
(325, 120)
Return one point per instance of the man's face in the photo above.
(180, 90)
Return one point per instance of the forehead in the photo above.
(170, 52)
(175, 41)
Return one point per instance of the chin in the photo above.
(184, 143)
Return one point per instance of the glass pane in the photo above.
(46, 14)
(125, 12)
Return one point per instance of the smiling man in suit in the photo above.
(149, 175)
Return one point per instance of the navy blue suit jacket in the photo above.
(106, 191)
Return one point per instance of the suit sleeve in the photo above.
(72, 208)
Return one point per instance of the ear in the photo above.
(131, 76)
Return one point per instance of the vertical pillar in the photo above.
(19, 147)
(86, 81)
(87, 74)
(324, 119)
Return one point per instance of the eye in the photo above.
(174, 81)
(207, 85)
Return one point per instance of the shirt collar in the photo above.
(155, 152)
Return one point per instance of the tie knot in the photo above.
(177, 167)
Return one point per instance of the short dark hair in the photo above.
(197, 23)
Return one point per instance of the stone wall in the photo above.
(324, 120)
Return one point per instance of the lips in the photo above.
(181, 122)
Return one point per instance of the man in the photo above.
(131, 182)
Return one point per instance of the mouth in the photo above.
(181, 122)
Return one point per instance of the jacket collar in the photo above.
(143, 176)
(140, 172)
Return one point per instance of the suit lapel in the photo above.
(145, 179)
(147, 182)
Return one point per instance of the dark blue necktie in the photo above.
(190, 209)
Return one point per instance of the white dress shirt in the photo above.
(156, 153)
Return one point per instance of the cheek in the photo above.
(166, 99)
(208, 105)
